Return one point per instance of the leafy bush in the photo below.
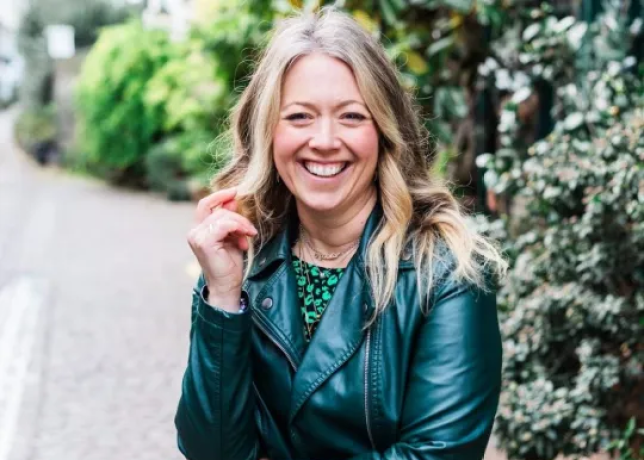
(233, 39)
(186, 93)
(575, 298)
(116, 127)
(573, 305)
(182, 165)
(192, 94)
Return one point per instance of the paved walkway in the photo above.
(94, 296)
(95, 287)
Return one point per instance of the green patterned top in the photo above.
(314, 291)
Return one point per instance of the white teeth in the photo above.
(324, 170)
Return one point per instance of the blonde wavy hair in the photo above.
(419, 210)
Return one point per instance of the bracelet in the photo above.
(243, 302)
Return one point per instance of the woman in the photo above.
(364, 325)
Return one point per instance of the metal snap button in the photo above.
(406, 255)
(267, 303)
(263, 261)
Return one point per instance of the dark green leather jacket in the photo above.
(412, 386)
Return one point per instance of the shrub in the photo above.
(181, 166)
(573, 305)
(233, 39)
(575, 298)
(186, 93)
(116, 127)
(192, 95)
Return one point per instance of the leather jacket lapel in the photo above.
(341, 329)
(275, 306)
(277, 313)
(337, 337)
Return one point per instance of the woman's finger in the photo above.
(224, 214)
(230, 205)
(219, 198)
(242, 243)
(219, 231)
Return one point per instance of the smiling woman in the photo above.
(364, 324)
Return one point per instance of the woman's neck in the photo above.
(334, 232)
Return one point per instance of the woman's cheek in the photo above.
(286, 141)
(364, 142)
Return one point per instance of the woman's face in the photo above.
(325, 146)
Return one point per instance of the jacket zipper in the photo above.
(275, 342)
(366, 388)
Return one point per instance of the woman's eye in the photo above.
(297, 116)
(354, 116)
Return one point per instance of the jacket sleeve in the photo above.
(214, 419)
(455, 380)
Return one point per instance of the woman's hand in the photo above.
(218, 241)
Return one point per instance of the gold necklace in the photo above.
(320, 255)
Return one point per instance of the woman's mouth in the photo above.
(324, 169)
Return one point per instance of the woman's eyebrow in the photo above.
(312, 106)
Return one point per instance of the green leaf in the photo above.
(531, 31)
(464, 6)
(388, 12)
(573, 121)
(440, 45)
(367, 22)
(415, 63)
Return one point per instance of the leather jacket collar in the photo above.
(278, 249)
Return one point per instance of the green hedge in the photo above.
(573, 305)
(150, 108)
(116, 126)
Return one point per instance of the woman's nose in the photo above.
(324, 137)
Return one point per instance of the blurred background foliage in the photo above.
(37, 87)
(536, 112)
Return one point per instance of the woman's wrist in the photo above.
(231, 302)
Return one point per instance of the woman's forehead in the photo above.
(319, 77)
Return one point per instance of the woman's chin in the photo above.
(321, 203)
